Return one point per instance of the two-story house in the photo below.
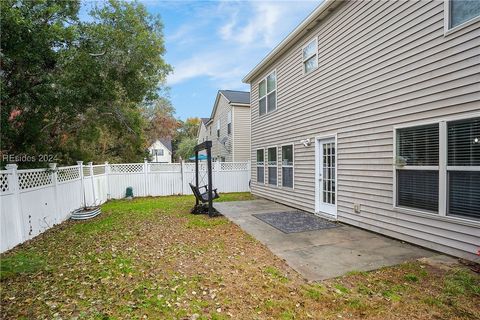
(161, 151)
(228, 126)
(369, 113)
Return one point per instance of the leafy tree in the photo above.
(186, 147)
(187, 130)
(76, 88)
(160, 116)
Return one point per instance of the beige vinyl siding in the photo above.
(221, 112)
(381, 64)
(241, 133)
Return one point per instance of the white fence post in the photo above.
(107, 179)
(53, 168)
(17, 204)
(82, 183)
(182, 175)
(145, 172)
(90, 169)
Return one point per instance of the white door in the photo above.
(326, 177)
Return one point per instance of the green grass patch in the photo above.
(461, 282)
(203, 221)
(274, 273)
(314, 292)
(19, 263)
(411, 277)
(341, 289)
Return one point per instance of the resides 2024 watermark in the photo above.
(15, 158)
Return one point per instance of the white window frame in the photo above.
(266, 93)
(314, 54)
(257, 164)
(271, 166)
(442, 167)
(288, 166)
(446, 20)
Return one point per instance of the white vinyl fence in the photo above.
(32, 201)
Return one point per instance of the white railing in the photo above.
(32, 201)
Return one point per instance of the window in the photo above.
(461, 11)
(287, 166)
(438, 168)
(159, 152)
(218, 128)
(260, 166)
(229, 122)
(272, 165)
(417, 167)
(267, 94)
(309, 54)
(463, 168)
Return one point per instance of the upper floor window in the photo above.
(229, 122)
(218, 128)
(310, 58)
(460, 11)
(267, 94)
(159, 152)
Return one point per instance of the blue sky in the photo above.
(212, 45)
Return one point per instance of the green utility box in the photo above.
(129, 193)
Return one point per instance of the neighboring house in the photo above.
(161, 151)
(202, 133)
(369, 113)
(229, 126)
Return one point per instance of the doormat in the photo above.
(295, 221)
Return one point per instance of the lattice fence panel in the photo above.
(100, 169)
(165, 167)
(126, 168)
(4, 187)
(32, 179)
(233, 166)
(190, 167)
(67, 174)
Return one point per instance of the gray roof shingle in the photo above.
(236, 96)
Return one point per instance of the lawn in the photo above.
(150, 258)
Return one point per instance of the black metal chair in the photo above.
(203, 196)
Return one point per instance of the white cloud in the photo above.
(244, 32)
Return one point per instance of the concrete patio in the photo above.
(321, 254)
